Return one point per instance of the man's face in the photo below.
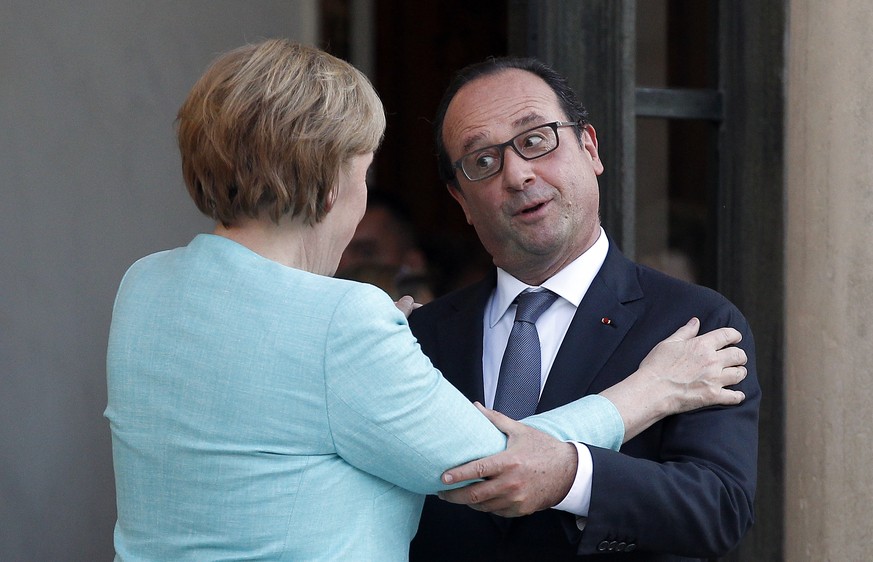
(535, 216)
(376, 242)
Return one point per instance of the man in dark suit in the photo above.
(518, 154)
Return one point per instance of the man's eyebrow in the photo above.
(471, 141)
(474, 139)
(529, 119)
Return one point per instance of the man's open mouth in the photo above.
(532, 209)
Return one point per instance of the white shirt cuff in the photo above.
(578, 499)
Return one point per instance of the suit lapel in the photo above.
(461, 354)
(461, 339)
(599, 326)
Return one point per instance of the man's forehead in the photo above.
(525, 121)
(497, 104)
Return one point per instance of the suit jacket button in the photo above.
(631, 546)
(621, 546)
(612, 545)
(603, 546)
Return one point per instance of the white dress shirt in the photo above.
(570, 284)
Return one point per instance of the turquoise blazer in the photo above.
(263, 412)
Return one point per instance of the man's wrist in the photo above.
(578, 498)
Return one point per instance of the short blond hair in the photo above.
(268, 127)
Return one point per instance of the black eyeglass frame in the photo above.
(500, 148)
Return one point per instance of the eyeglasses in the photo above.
(533, 143)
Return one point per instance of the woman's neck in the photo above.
(289, 243)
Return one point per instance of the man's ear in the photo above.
(589, 146)
(458, 195)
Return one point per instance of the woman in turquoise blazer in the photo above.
(259, 408)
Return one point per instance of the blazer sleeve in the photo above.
(696, 500)
(392, 414)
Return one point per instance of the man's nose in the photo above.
(518, 173)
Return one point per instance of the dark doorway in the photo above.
(419, 46)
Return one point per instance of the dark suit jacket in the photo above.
(685, 486)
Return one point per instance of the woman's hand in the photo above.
(406, 304)
(681, 373)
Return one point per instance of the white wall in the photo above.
(89, 181)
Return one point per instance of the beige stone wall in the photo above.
(829, 292)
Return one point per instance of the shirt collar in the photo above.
(571, 283)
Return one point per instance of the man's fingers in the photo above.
(476, 495)
(504, 423)
(489, 466)
(485, 497)
(459, 496)
(534, 472)
(473, 470)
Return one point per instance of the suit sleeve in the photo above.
(697, 499)
(392, 414)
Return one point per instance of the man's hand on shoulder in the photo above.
(535, 472)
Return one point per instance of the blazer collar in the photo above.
(587, 346)
(602, 320)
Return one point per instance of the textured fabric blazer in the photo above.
(685, 486)
(262, 412)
